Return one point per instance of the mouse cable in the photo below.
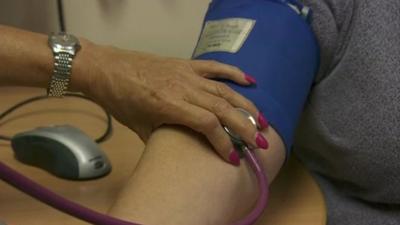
(100, 139)
(61, 20)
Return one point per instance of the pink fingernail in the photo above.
(234, 157)
(262, 121)
(261, 141)
(250, 79)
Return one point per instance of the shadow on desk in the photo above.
(295, 197)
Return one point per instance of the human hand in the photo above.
(144, 91)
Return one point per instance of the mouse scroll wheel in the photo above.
(98, 164)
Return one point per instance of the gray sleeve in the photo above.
(330, 22)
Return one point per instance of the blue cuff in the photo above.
(280, 52)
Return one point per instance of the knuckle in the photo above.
(186, 68)
(177, 65)
(184, 64)
(223, 90)
(209, 123)
(244, 129)
(249, 105)
(221, 107)
(213, 63)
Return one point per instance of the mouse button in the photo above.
(24, 149)
(47, 153)
(33, 151)
(96, 167)
(99, 165)
(20, 139)
(100, 162)
(54, 132)
(66, 164)
(25, 141)
(68, 130)
(76, 140)
(83, 146)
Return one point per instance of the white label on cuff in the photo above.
(226, 35)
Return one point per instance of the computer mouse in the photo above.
(63, 150)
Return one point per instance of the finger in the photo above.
(234, 98)
(208, 124)
(230, 117)
(214, 69)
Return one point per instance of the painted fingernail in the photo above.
(261, 141)
(250, 79)
(234, 157)
(262, 121)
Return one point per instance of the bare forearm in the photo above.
(27, 60)
(180, 180)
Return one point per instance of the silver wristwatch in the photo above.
(64, 47)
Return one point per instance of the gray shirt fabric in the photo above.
(349, 133)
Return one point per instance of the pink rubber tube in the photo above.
(45, 195)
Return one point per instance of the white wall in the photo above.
(39, 16)
(166, 27)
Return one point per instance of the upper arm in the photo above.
(331, 23)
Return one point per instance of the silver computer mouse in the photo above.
(64, 151)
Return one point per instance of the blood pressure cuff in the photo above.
(272, 41)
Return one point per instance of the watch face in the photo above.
(64, 41)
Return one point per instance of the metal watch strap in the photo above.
(61, 75)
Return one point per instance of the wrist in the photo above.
(27, 60)
(84, 67)
(95, 68)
